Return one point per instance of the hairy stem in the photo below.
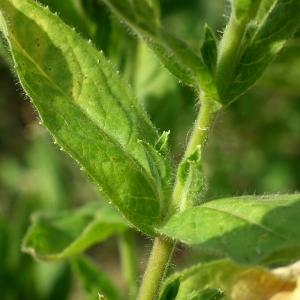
(197, 139)
(163, 248)
(129, 263)
(202, 125)
(157, 265)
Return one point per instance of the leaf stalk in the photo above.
(163, 248)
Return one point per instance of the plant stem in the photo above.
(229, 51)
(202, 125)
(157, 265)
(163, 248)
(197, 139)
(129, 263)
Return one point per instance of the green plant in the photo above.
(94, 116)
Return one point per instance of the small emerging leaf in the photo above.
(248, 229)
(191, 181)
(54, 236)
(171, 290)
(162, 143)
(209, 49)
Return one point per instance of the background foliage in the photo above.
(253, 148)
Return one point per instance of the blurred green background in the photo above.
(254, 147)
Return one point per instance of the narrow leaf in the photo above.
(263, 10)
(182, 61)
(247, 229)
(170, 291)
(93, 280)
(87, 107)
(191, 181)
(224, 279)
(209, 50)
(59, 235)
(275, 27)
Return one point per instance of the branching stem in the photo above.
(163, 248)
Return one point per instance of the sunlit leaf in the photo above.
(88, 109)
(248, 229)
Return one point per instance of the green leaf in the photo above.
(89, 18)
(170, 291)
(245, 8)
(207, 294)
(227, 279)
(209, 50)
(72, 12)
(59, 235)
(181, 60)
(191, 181)
(93, 280)
(162, 97)
(263, 9)
(248, 229)
(274, 28)
(88, 109)
(4, 53)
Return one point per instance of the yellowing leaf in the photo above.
(237, 282)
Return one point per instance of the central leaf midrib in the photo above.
(137, 165)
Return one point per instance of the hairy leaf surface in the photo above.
(89, 110)
(275, 23)
(72, 12)
(182, 61)
(4, 53)
(209, 49)
(235, 281)
(191, 182)
(58, 235)
(247, 229)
